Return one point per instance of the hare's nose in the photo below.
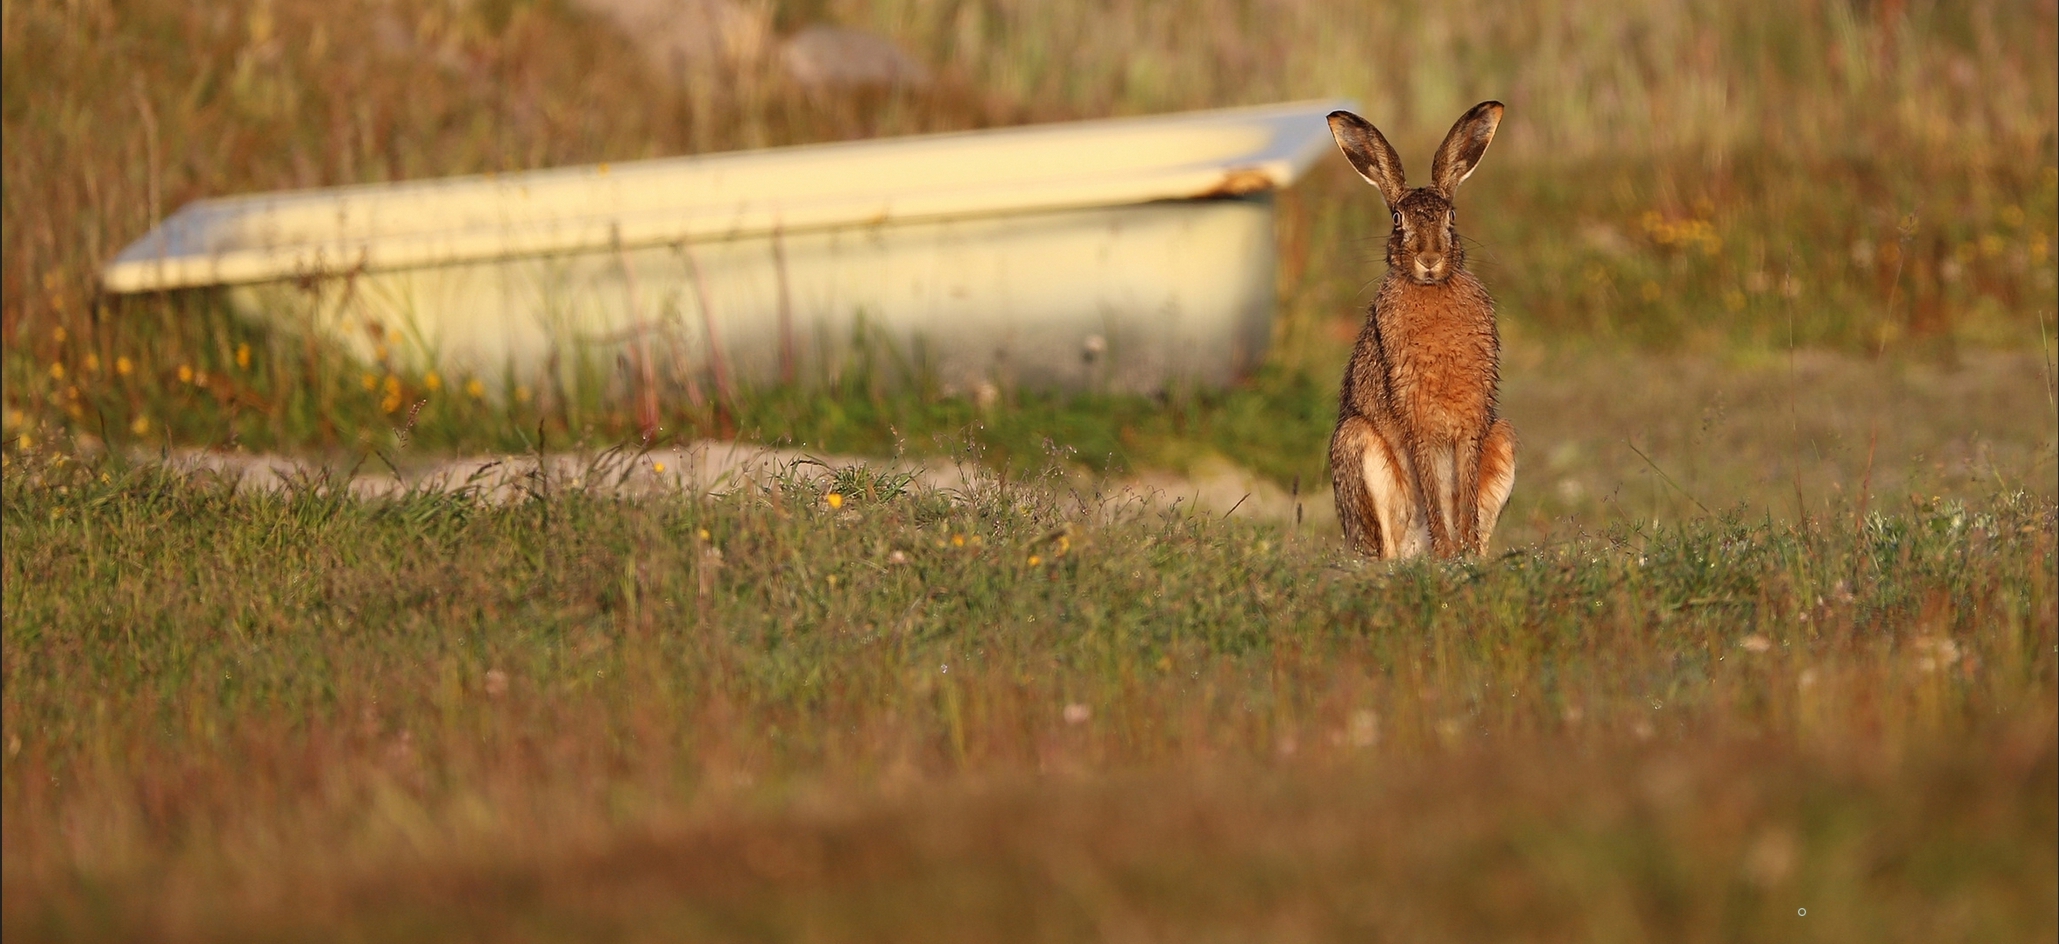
(1430, 265)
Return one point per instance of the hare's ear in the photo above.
(1370, 155)
(1461, 150)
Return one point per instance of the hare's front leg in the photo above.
(1497, 478)
(1377, 500)
(1447, 470)
(1461, 523)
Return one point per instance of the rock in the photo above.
(836, 57)
(682, 36)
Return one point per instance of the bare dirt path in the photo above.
(1605, 438)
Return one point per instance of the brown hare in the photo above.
(1420, 460)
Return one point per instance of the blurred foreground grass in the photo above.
(1699, 177)
(1014, 713)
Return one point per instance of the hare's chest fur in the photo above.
(1440, 351)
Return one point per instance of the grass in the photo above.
(1880, 180)
(1015, 713)
(1771, 626)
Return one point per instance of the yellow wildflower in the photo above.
(658, 467)
(92, 363)
(1034, 560)
(185, 373)
(1699, 233)
(957, 540)
(122, 365)
(140, 425)
(370, 380)
(243, 356)
(58, 333)
(432, 381)
(475, 388)
(521, 394)
(56, 371)
(835, 500)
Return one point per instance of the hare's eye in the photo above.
(1397, 219)
(1451, 216)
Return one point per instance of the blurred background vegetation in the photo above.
(1718, 179)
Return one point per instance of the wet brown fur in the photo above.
(1420, 393)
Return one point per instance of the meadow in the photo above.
(1710, 178)
(1767, 648)
(1012, 713)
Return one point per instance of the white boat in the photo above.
(1122, 254)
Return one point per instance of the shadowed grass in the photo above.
(755, 716)
(1676, 175)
